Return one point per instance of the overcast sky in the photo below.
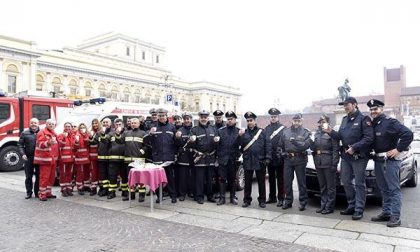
(296, 51)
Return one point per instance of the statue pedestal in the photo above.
(339, 114)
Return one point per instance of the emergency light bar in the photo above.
(99, 100)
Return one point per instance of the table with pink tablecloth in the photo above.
(151, 177)
(155, 178)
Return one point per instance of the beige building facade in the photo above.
(111, 65)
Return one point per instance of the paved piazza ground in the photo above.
(83, 223)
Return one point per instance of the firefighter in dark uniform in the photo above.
(134, 149)
(115, 158)
(227, 157)
(256, 153)
(356, 135)
(326, 154)
(391, 138)
(184, 160)
(218, 119)
(275, 170)
(203, 141)
(102, 140)
(294, 142)
(162, 140)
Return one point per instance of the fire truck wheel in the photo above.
(10, 159)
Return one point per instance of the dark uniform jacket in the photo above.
(325, 150)
(219, 125)
(356, 131)
(295, 142)
(390, 134)
(204, 144)
(228, 147)
(116, 149)
(163, 142)
(133, 142)
(184, 153)
(260, 150)
(277, 159)
(27, 142)
(102, 140)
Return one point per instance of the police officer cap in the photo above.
(176, 117)
(375, 103)
(324, 117)
(218, 113)
(161, 111)
(298, 116)
(349, 99)
(152, 111)
(230, 114)
(203, 113)
(186, 114)
(274, 111)
(249, 114)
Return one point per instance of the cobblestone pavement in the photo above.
(57, 225)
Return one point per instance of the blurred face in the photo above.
(350, 107)
(274, 118)
(118, 124)
(67, 127)
(204, 119)
(135, 124)
(128, 122)
(51, 125)
(320, 123)
(74, 127)
(178, 121)
(106, 123)
(154, 117)
(231, 121)
(296, 123)
(376, 111)
(33, 124)
(251, 122)
(187, 121)
(95, 125)
(162, 118)
(218, 119)
(82, 128)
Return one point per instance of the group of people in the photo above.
(202, 160)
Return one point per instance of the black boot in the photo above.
(102, 192)
(133, 195)
(92, 191)
(111, 195)
(124, 195)
(222, 200)
(233, 199)
(141, 197)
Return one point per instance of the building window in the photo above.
(128, 51)
(102, 93)
(137, 99)
(114, 96)
(143, 55)
(11, 86)
(42, 112)
(4, 112)
(73, 91)
(157, 59)
(126, 97)
(88, 92)
(57, 90)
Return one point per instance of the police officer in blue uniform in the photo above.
(356, 135)
(326, 154)
(218, 119)
(256, 150)
(275, 170)
(390, 139)
(294, 143)
(227, 157)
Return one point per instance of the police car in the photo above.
(408, 176)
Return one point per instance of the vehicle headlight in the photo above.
(367, 173)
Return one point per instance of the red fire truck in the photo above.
(15, 113)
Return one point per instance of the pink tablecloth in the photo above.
(151, 177)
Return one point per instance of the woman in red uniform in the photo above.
(46, 155)
(66, 143)
(93, 154)
(81, 159)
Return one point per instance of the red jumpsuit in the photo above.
(93, 152)
(82, 161)
(66, 144)
(46, 155)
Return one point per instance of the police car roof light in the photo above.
(99, 100)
